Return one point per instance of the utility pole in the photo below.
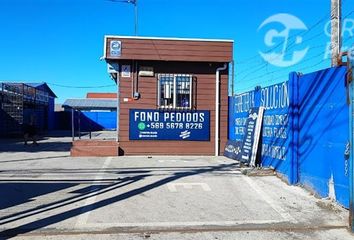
(136, 16)
(135, 3)
(336, 33)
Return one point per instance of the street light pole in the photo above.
(136, 16)
(135, 2)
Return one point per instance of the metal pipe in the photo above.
(118, 103)
(79, 123)
(132, 78)
(233, 78)
(217, 106)
(72, 125)
(190, 92)
(351, 139)
(136, 16)
(174, 91)
(135, 80)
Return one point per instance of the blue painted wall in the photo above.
(305, 129)
(276, 130)
(96, 121)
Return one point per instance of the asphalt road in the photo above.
(48, 195)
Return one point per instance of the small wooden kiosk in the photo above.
(173, 94)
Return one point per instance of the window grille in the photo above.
(175, 91)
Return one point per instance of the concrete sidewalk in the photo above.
(49, 194)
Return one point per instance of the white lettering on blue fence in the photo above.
(276, 152)
(243, 102)
(275, 96)
(276, 101)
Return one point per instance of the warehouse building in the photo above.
(20, 101)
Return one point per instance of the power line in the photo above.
(265, 64)
(303, 33)
(251, 70)
(291, 46)
(281, 76)
(285, 69)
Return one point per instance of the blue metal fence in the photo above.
(324, 126)
(305, 129)
(96, 121)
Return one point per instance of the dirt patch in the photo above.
(258, 172)
(328, 205)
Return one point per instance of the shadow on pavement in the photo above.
(88, 192)
(81, 194)
(19, 193)
(34, 159)
(14, 146)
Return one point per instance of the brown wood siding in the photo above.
(172, 50)
(205, 78)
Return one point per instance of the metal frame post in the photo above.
(79, 123)
(294, 126)
(135, 3)
(351, 139)
(136, 16)
(72, 124)
(118, 106)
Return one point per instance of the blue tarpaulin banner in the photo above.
(150, 124)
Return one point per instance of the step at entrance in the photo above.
(94, 148)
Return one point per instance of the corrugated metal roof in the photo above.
(36, 85)
(44, 85)
(89, 103)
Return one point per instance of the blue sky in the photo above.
(61, 41)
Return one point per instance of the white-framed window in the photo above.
(175, 91)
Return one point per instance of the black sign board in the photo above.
(233, 149)
(252, 135)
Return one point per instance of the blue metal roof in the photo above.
(90, 103)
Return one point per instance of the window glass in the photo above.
(183, 95)
(175, 91)
(166, 86)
